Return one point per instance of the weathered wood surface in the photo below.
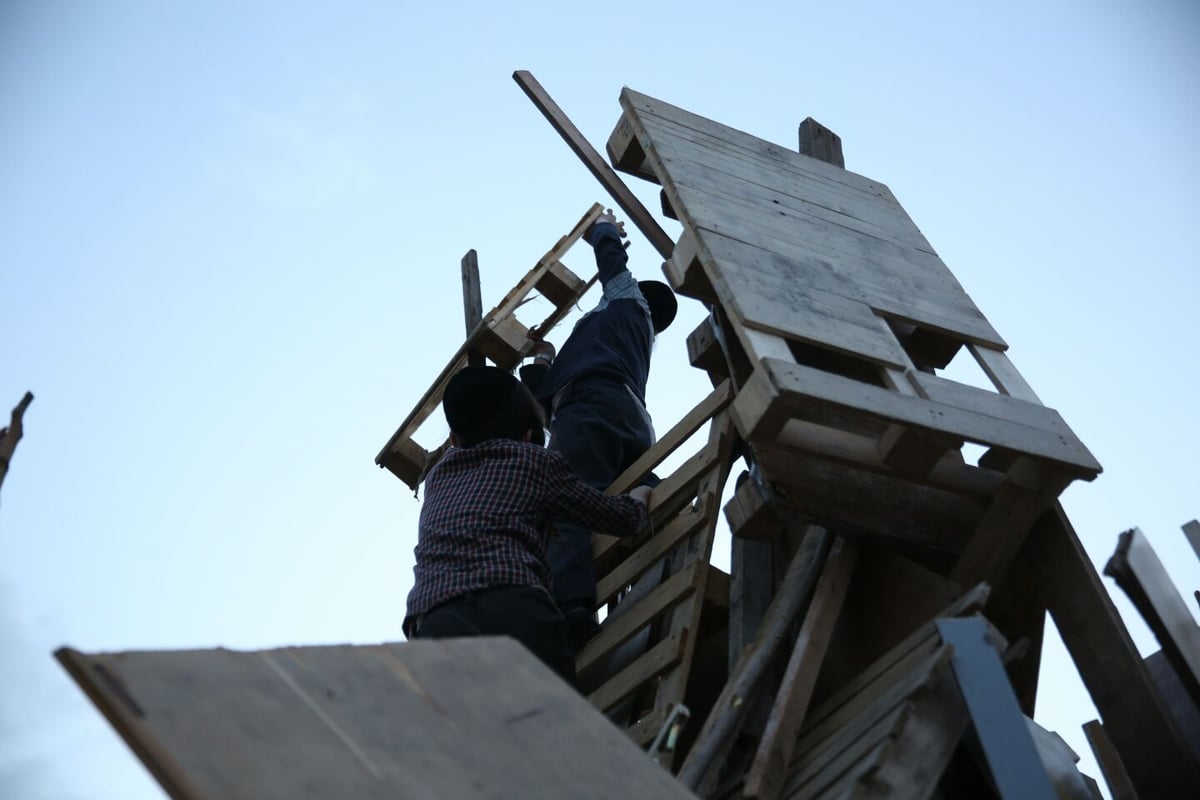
(1149, 740)
(1140, 574)
(722, 181)
(460, 718)
(765, 779)
(595, 163)
(780, 390)
(499, 336)
(1119, 785)
(472, 301)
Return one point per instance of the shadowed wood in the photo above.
(453, 718)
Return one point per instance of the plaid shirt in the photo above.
(487, 514)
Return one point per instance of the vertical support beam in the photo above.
(1137, 721)
(1011, 755)
(1018, 611)
(1192, 531)
(472, 302)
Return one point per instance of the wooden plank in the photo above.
(898, 660)
(626, 153)
(560, 285)
(472, 301)
(644, 110)
(750, 515)
(616, 632)
(782, 390)
(1109, 760)
(765, 779)
(454, 718)
(595, 163)
(1140, 726)
(700, 768)
(680, 482)
(960, 395)
(650, 553)
(999, 536)
(685, 272)
(797, 296)
(655, 662)
(1016, 767)
(1003, 375)
(819, 142)
(1137, 570)
(1018, 611)
(1192, 531)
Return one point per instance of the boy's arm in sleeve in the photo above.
(573, 500)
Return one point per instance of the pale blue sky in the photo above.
(229, 247)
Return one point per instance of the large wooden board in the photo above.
(721, 181)
(479, 718)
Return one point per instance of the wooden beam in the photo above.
(1119, 785)
(769, 769)
(1192, 531)
(472, 302)
(12, 434)
(998, 538)
(703, 761)
(1138, 571)
(595, 163)
(819, 142)
(1140, 726)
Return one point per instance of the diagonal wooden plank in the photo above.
(595, 163)
(767, 773)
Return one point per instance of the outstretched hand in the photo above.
(611, 218)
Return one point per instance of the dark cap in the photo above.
(662, 303)
(487, 402)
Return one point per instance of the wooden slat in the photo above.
(998, 538)
(1119, 785)
(672, 591)
(1137, 570)
(454, 718)
(781, 390)
(651, 552)
(1140, 726)
(1002, 373)
(819, 142)
(655, 662)
(700, 769)
(595, 163)
(765, 779)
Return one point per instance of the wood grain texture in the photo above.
(448, 719)
(720, 180)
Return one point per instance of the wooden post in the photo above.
(819, 142)
(12, 434)
(472, 302)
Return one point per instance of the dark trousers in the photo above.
(525, 613)
(600, 429)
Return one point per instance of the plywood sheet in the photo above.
(723, 181)
(478, 718)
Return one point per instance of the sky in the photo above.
(230, 237)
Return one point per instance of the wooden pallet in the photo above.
(499, 336)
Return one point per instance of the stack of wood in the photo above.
(880, 630)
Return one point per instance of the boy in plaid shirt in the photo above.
(481, 566)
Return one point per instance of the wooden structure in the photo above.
(833, 660)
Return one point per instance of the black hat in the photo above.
(662, 303)
(474, 394)
(485, 402)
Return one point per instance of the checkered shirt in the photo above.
(486, 521)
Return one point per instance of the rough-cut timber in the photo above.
(479, 718)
